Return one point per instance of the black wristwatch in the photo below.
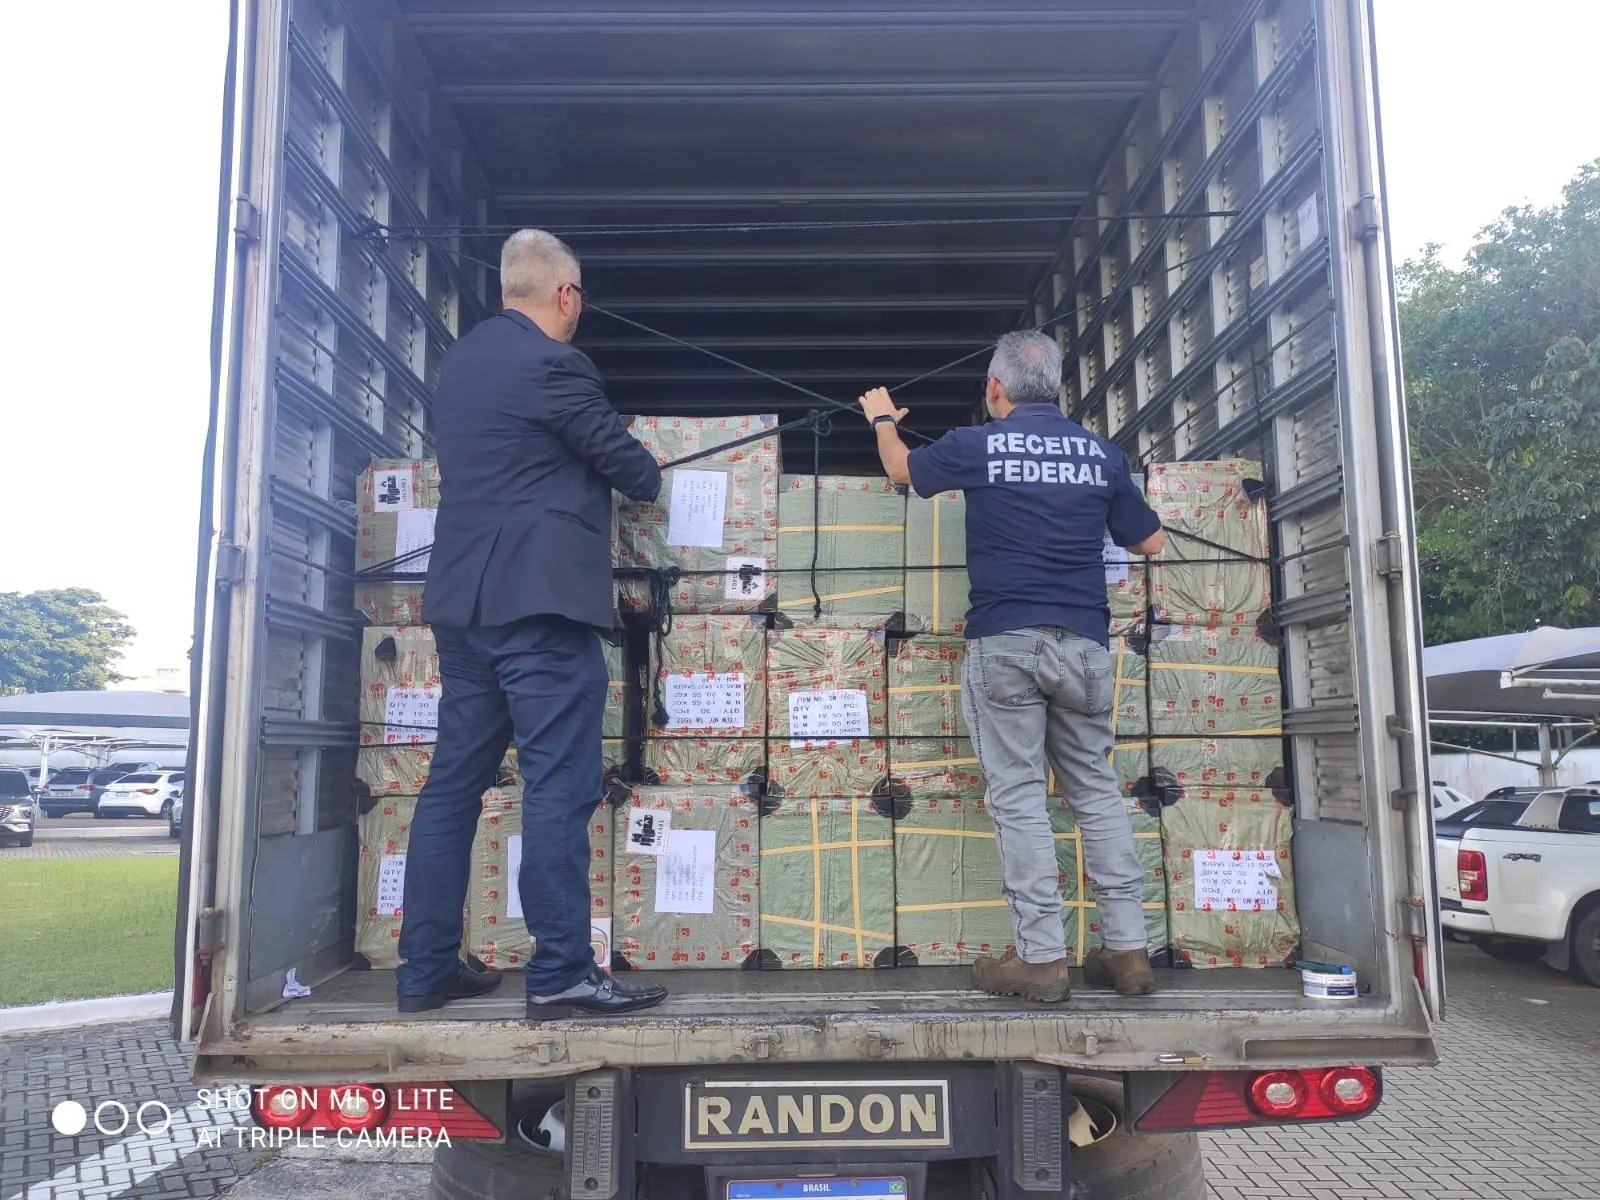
(881, 418)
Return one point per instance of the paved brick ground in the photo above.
(1512, 1110)
(1512, 1113)
(79, 836)
(126, 1064)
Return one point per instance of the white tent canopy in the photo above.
(1548, 674)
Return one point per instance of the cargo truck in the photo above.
(1189, 193)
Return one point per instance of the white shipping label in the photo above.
(705, 701)
(391, 883)
(1306, 218)
(741, 587)
(699, 499)
(648, 830)
(413, 539)
(600, 941)
(1116, 561)
(1236, 880)
(827, 717)
(391, 489)
(411, 716)
(686, 875)
(513, 870)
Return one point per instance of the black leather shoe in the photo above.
(599, 995)
(465, 984)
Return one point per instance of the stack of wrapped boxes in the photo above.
(803, 792)
(399, 718)
(1216, 731)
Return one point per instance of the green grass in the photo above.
(77, 928)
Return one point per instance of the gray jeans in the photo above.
(1039, 692)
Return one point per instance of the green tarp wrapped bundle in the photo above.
(1207, 680)
(697, 903)
(1239, 764)
(613, 724)
(1130, 711)
(710, 678)
(383, 832)
(496, 931)
(826, 710)
(1132, 763)
(855, 526)
(827, 884)
(1230, 878)
(930, 751)
(722, 510)
(1127, 583)
(396, 503)
(399, 686)
(936, 559)
(949, 907)
(1214, 566)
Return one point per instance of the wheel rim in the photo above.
(1104, 1120)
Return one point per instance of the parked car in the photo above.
(134, 766)
(1527, 888)
(17, 808)
(149, 794)
(1447, 801)
(76, 790)
(175, 815)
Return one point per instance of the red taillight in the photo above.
(427, 1109)
(1212, 1099)
(1473, 873)
(147, 791)
(82, 787)
(357, 1106)
(1279, 1094)
(1348, 1090)
(285, 1107)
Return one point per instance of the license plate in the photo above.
(888, 1187)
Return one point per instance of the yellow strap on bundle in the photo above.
(801, 603)
(948, 906)
(1217, 668)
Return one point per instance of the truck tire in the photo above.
(1126, 1166)
(1586, 946)
(466, 1170)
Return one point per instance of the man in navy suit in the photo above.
(519, 593)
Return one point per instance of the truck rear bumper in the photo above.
(1466, 921)
(349, 1029)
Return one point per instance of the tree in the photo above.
(1502, 361)
(60, 640)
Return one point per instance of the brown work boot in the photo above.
(1126, 970)
(1014, 976)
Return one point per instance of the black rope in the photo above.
(809, 421)
(662, 580)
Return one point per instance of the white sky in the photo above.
(112, 133)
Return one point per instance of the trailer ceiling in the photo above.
(631, 112)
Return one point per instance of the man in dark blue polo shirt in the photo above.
(1041, 494)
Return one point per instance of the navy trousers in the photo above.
(543, 681)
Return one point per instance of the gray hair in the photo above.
(534, 265)
(1028, 365)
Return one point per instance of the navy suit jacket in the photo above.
(529, 452)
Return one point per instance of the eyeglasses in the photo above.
(582, 295)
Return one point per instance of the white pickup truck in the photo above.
(1519, 884)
